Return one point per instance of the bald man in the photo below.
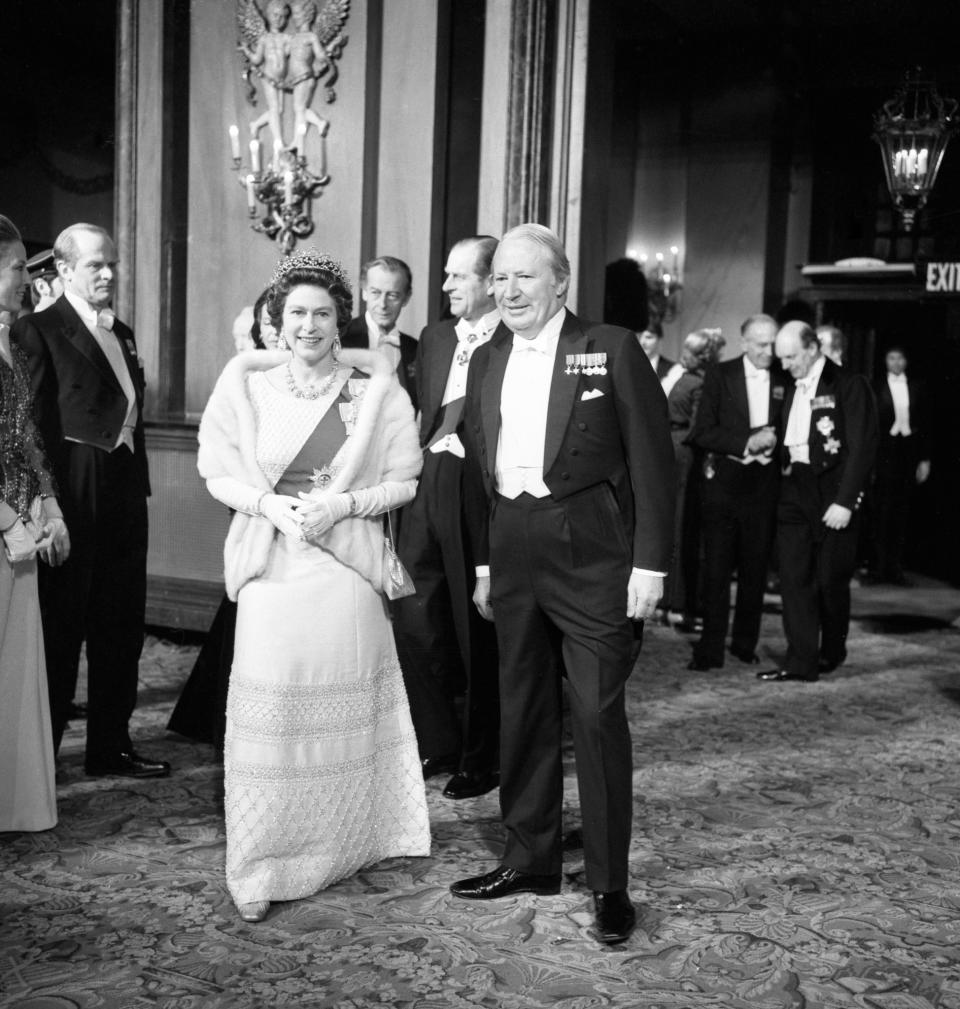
(828, 440)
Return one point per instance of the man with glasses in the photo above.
(385, 287)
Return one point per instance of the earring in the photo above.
(336, 348)
(281, 342)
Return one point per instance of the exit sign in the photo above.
(943, 278)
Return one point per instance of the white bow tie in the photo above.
(105, 318)
(896, 378)
(521, 344)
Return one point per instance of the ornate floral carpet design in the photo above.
(795, 845)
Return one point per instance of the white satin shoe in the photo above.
(254, 911)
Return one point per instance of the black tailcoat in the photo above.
(99, 594)
(817, 563)
(739, 508)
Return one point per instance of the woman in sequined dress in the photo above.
(32, 525)
(311, 445)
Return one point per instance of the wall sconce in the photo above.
(283, 188)
(663, 285)
(913, 130)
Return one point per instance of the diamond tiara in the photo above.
(312, 259)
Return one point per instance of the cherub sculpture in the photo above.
(268, 51)
(291, 59)
(308, 62)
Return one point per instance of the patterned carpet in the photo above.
(794, 845)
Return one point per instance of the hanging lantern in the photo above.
(913, 130)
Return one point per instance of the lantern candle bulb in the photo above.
(234, 142)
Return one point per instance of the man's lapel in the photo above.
(501, 343)
(741, 398)
(446, 347)
(80, 338)
(563, 388)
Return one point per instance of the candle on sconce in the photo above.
(251, 196)
(288, 188)
(234, 142)
(912, 162)
(659, 264)
(255, 155)
(277, 148)
(643, 258)
(675, 252)
(301, 140)
(323, 155)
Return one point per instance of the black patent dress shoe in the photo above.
(504, 882)
(781, 676)
(615, 916)
(432, 766)
(127, 765)
(750, 658)
(699, 665)
(76, 710)
(470, 784)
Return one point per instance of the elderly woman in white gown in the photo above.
(311, 444)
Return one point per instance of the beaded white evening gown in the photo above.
(322, 772)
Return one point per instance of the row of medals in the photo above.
(586, 364)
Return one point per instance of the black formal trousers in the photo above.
(98, 596)
(559, 572)
(894, 480)
(816, 565)
(446, 648)
(738, 522)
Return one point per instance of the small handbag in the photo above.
(397, 582)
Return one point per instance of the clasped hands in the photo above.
(761, 442)
(53, 545)
(305, 517)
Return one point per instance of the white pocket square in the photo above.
(592, 394)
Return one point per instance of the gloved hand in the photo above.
(18, 544)
(283, 512)
(321, 513)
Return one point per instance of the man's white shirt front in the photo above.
(109, 343)
(797, 435)
(524, 398)
(758, 404)
(901, 404)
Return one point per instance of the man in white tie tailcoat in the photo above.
(828, 442)
(568, 444)
(88, 391)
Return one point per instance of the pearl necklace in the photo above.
(311, 391)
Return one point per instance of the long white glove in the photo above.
(320, 514)
(284, 512)
(235, 494)
(18, 544)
